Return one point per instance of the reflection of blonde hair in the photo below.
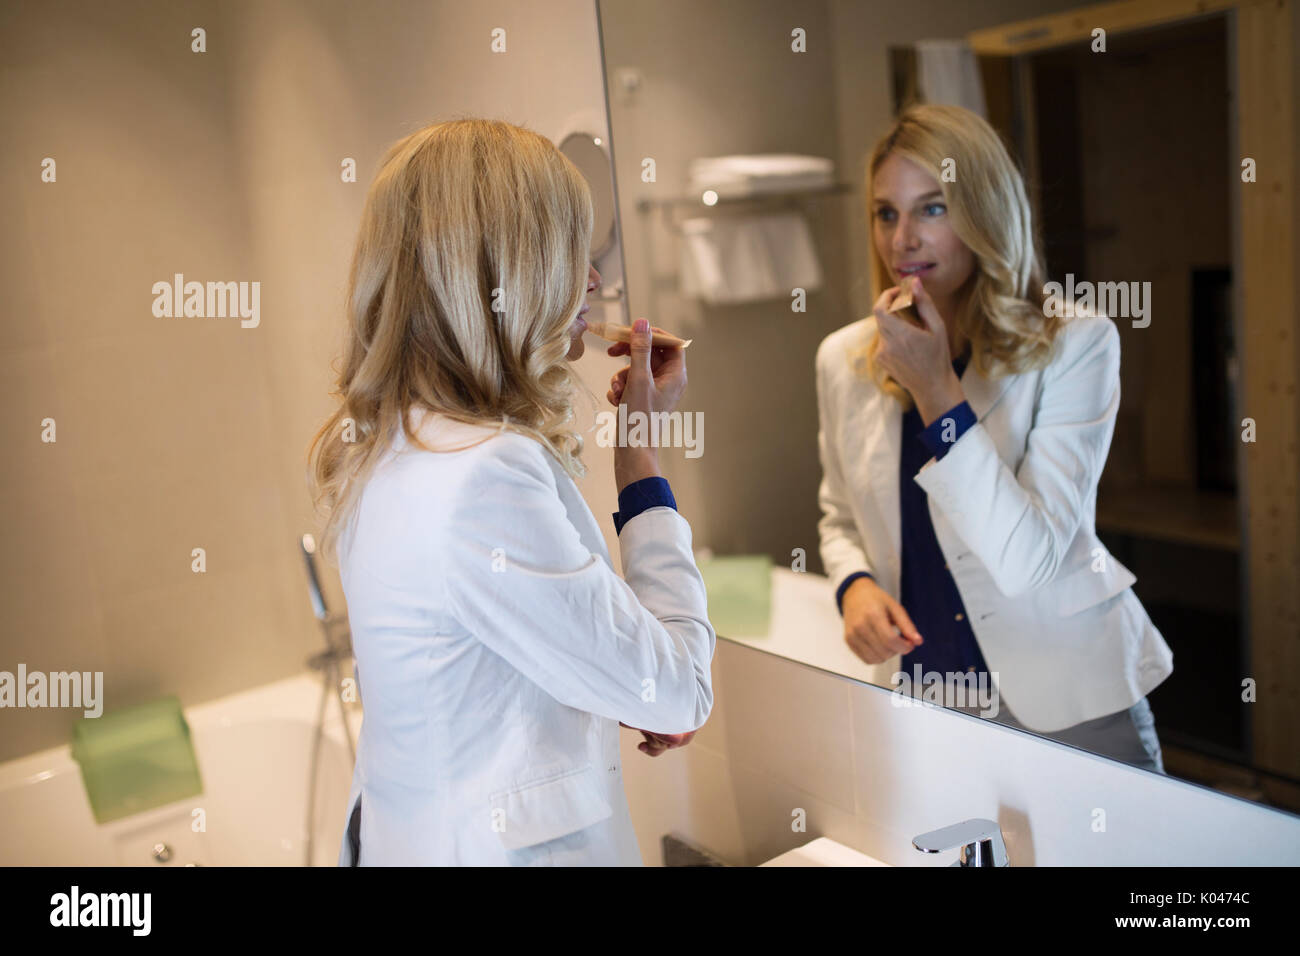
(1001, 311)
(469, 269)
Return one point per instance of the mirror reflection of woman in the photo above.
(961, 449)
(497, 649)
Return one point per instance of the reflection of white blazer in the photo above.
(497, 650)
(1013, 505)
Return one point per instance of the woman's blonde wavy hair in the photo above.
(1001, 312)
(470, 266)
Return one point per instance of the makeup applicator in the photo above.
(613, 332)
(903, 303)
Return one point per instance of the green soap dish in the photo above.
(136, 758)
(740, 594)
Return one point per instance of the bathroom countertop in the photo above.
(806, 626)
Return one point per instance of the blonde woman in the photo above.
(497, 651)
(961, 450)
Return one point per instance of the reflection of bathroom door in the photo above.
(1263, 250)
(1130, 186)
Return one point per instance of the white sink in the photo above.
(824, 852)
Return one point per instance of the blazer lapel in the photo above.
(884, 447)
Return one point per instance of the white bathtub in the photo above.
(254, 754)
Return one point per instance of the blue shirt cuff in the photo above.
(844, 586)
(652, 492)
(932, 436)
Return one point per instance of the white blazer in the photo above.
(1013, 504)
(497, 650)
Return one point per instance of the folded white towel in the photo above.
(727, 261)
(739, 176)
(947, 72)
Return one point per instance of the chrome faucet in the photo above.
(980, 843)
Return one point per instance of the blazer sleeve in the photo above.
(1020, 525)
(843, 552)
(521, 581)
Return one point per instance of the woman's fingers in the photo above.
(925, 308)
(903, 622)
(860, 646)
(617, 383)
(885, 329)
(624, 348)
(888, 635)
(865, 641)
(879, 637)
(667, 375)
(653, 744)
(877, 627)
(886, 299)
(664, 359)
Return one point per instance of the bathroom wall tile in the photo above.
(53, 620)
(117, 219)
(769, 809)
(222, 632)
(688, 792)
(788, 720)
(296, 366)
(912, 773)
(169, 452)
(26, 325)
(182, 397)
(894, 846)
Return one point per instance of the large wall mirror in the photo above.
(1114, 538)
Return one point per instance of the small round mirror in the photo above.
(585, 152)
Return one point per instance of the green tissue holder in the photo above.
(740, 594)
(136, 758)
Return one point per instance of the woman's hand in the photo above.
(652, 382)
(656, 377)
(918, 358)
(875, 625)
(655, 744)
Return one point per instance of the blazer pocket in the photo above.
(551, 808)
(1087, 588)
